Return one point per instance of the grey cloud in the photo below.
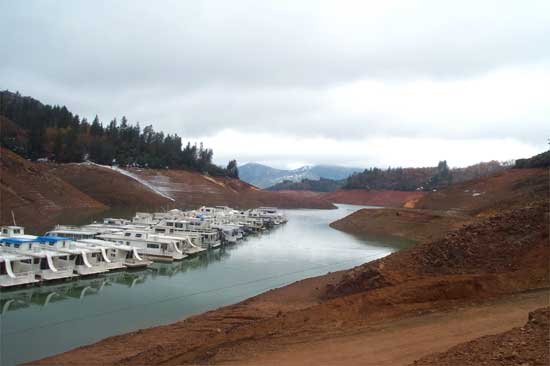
(197, 67)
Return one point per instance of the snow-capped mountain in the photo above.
(264, 176)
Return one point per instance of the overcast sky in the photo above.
(358, 83)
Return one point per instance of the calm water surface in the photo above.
(45, 320)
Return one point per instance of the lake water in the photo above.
(44, 320)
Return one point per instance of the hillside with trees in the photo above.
(320, 185)
(421, 179)
(538, 161)
(40, 131)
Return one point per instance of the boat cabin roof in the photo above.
(106, 243)
(16, 241)
(57, 232)
(12, 256)
(52, 239)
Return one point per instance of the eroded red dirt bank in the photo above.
(40, 194)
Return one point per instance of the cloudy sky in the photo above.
(357, 83)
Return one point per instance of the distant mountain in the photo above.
(315, 185)
(264, 176)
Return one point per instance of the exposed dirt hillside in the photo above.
(35, 195)
(108, 186)
(418, 225)
(330, 318)
(374, 198)
(510, 188)
(526, 345)
(435, 213)
(190, 189)
(44, 194)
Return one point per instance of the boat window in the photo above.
(5, 231)
(171, 224)
(179, 225)
(94, 255)
(138, 235)
(27, 261)
(127, 234)
(71, 257)
(36, 260)
(16, 231)
(43, 264)
(2, 268)
(127, 243)
(154, 246)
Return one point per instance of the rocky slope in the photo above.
(526, 345)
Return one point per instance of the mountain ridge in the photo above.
(264, 176)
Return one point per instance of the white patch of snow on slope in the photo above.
(134, 177)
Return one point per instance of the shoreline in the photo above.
(406, 283)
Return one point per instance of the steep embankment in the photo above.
(43, 194)
(109, 186)
(374, 197)
(190, 189)
(437, 212)
(334, 318)
(35, 195)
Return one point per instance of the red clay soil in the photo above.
(108, 186)
(374, 198)
(526, 345)
(191, 190)
(35, 195)
(418, 225)
(44, 194)
(491, 260)
(437, 212)
(484, 196)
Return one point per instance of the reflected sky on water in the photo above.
(48, 319)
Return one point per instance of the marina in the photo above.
(115, 244)
(88, 309)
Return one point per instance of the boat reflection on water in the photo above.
(201, 261)
(47, 294)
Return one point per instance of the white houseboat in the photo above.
(47, 264)
(87, 261)
(16, 270)
(120, 253)
(151, 246)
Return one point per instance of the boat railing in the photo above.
(23, 274)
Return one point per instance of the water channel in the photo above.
(44, 320)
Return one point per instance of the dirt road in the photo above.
(398, 342)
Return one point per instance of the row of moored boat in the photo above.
(70, 251)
